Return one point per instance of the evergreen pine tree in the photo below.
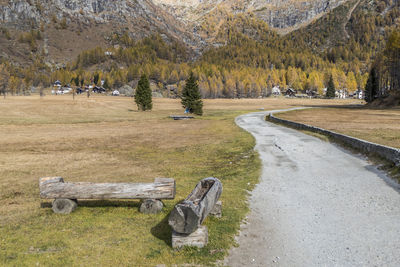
(330, 91)
(191, 97)
(143, 94)
(372, 86)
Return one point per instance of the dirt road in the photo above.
(316, 205)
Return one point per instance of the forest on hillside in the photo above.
(251, 61)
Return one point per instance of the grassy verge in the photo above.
(374, 121)
(380, 126)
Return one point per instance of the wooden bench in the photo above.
(65, 195)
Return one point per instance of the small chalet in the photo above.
(79, 90)
(57, 84)
(311, 93)
(359, 94)
(290, 92)
(276, 91)
(99, 90)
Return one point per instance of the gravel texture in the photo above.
(316, 205)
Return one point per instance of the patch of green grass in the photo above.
(114, 232)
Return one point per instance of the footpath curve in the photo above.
(316, 204)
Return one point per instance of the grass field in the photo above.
(105, 139)
(380, 126)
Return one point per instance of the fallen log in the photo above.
(55, 187)
(188, 215)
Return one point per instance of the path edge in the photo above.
(389, 153)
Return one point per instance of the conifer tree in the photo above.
(330, 91)
(191, 97)
(372, 86)
(4, 78)
(143, 94)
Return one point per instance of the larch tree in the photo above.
(191, 97)
(392, 52)
(143, 97)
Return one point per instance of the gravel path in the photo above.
(316, 205)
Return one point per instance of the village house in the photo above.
(290, 92)
(276, 91)
(359, 94)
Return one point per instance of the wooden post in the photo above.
(188, 215)
(198, 238)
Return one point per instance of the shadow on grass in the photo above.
(163, 231)
(100, 203)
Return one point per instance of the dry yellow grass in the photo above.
(105, 139)
(380, 126)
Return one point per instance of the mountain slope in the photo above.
(68, 27)
(279, 14)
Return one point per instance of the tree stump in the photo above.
(151, 206)
(198, 238)
(64, 205)
(188, 215)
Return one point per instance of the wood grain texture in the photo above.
(188, 215)
(198, 238)
(162, 188)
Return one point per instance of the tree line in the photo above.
(252, 60)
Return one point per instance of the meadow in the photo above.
(105, 139)
(381, 126)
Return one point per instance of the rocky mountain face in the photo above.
(174, 17)
(281, 14)
(139, 17)
(197, 23)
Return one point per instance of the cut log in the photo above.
(162, 188)
(188, 215)
(198, 238)
(151, 206)
(217, 210)
(64, 206)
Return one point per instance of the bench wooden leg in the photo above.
(64, 206)
(151, 206)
